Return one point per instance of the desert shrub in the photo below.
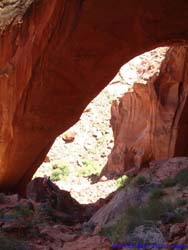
(182, 177)
(121, 181)
(157, 193)
(141, 180)
(117, 230)
(136, 216)
(151, 212)
(89, 167)
(56, 174)
(60, 171)
(11, 244)
(169, 182)
(18, 211)
(180, 202)
(154, 209)
(23, 211)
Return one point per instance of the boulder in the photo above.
(129, 196)
(146, 235)
(69, 136)
(59, 200)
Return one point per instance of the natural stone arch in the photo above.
(56, 60)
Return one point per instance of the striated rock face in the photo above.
(150, 123)
(55, 57)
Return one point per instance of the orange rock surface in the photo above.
(150, 123)
(56, 56)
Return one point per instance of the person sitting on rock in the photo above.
(47, 184)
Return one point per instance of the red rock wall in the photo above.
(151, 122)
(56, 59)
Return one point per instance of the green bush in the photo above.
(89, 167)
(154, 209)
(157, 193)
(182, 177)
(60, 171)
(141, 180)
(181, 202)
(18, 211)
(23, 211)
(116, 231)
(169, 182)
(151, 212)
(136, 216)
(56, 175)
(121, 181)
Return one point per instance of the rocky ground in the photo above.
(90, 140)
(151, 209)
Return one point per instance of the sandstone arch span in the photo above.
(55, 56)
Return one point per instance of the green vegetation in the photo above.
(141, 180)
(181, 202)
(169, 182)
(150, 213)
(157, 193)
(121, 181)
(146, 214)
(182, 177)
(89, 167)
(60, 171)
(11, 244)
(18, 211)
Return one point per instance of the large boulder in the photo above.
(150, 122)
(129, 196)
(56, 56)
(54, 198)
(148, 236)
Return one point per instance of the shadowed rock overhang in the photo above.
(56, 56)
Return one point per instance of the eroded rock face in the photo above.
(150, 122)
(56, 56)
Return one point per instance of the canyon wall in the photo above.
(56, 56)
(150, 123)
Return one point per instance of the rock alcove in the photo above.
(56, 56)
